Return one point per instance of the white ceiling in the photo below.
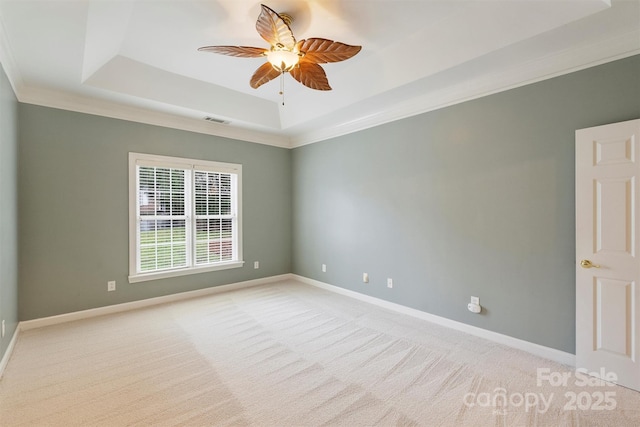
(138, 59)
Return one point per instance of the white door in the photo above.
(607, 251)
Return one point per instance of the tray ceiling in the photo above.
(138, 59)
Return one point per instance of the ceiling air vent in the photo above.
(217, 120)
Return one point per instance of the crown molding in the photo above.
(564, 62)
(551, 66)
(81, 104)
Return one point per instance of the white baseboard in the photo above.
(7, 354)
(117, 308)
(536, 349)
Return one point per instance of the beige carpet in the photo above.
(287, 354)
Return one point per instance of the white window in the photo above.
(185, 216)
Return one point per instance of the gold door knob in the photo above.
(585, 263)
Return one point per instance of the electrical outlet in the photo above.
(474, 305)
(324, 268)
(365, 277)
(111, 285)
(389, 283)
(256, 265)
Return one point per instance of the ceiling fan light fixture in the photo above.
(283, 60)
(301, 59)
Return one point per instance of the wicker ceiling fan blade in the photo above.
(311, 75)
(265, 73)
(274, 30)
(238, 51)
(320, 50)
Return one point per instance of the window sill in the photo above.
(184, 272)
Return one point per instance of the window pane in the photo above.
(177, 203)
(214, 228)
(202, 229)
(163, 235)
(202, 253)
(178, 231)
(226, 252)
(180, 254)
(147, 258)
(226, 228)
(147, 231)
(162, 179)
(164, 256)
(225, 205)
(215, 250)
(201, 204)
(213, 205)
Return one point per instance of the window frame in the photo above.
(191, 166)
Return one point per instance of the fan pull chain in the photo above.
(282, 86)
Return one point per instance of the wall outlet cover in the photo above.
(474, 308)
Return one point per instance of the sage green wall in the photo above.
(8, 210)
(73, 182)
(474, 199)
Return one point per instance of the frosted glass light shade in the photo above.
(283, 60)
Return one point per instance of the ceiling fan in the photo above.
(300, 59)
